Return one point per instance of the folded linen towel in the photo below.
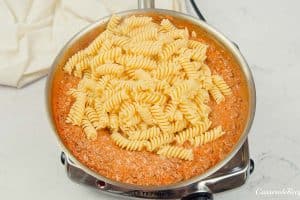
(33, 31)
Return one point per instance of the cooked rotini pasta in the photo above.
(191, 132)
(127, 111)
(167, 25)
(147, 34)
(150, 98)
(89, 129)
(120, 41)
(216, 94)
(162, 86)
(145, 28)
(114, 21)
(144, 112)
(177, 34)
(114, 121)
(221, 84)
(108, 56)
(103, 116)
(77, 110)
(110, 69)
(194, 44)
(184, 87)
(137, 62)
(145, 134)
(131, 145)
(161, 118)
(92, 116)
(158, 141)
(81, 66)
(106, 45)
(115, 100)
(142, 75)
(171, 48)
(199, 53)
(207, 136)
(75, 59)
(145, 48)
(134, 21)
(176, 152)
(178, 125)
(170, 110)
(189, 67)
(165, 70)
(148, 84)
(189, 110)
(94, 47)
(201, 96)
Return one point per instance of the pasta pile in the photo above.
(148, 84)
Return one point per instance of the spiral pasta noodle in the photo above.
(114, 121)
(178, 126)
(94, 47)
(177, 91)
(146, 48)
(216, 94)
(199, 54)
(145, 28)
(103, 116)
(207, 136)
(92, 116)
(158, 141)
(76, 58)
(176, 152)
(120, 41)
(81, 66)
(191, 132)
(106, 45)
(107, 56)
(167, 69)
(110, 69)
(137, 62)
(115, 100)
(161, 118)
(76, 113)
(131, 145)
(150, 98)
(189, 67)
(127, 111)
(148, 34)
(171, 48)
(113, 23)
(167, 25)
(145, 113)
(134, 21)
(145, 134)
(89, 129)
(221, 84)
(189, 111)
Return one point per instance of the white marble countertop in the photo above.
(268, 34)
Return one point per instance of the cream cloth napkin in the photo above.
(33, 31)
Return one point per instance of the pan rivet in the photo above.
(100, 184)
(63, 158)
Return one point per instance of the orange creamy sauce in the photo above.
(145, 168)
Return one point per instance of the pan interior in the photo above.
(85, 36)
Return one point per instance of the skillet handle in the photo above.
(197, 10)
(143, 4)
(199, 196)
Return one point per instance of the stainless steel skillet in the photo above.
(193, 186)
